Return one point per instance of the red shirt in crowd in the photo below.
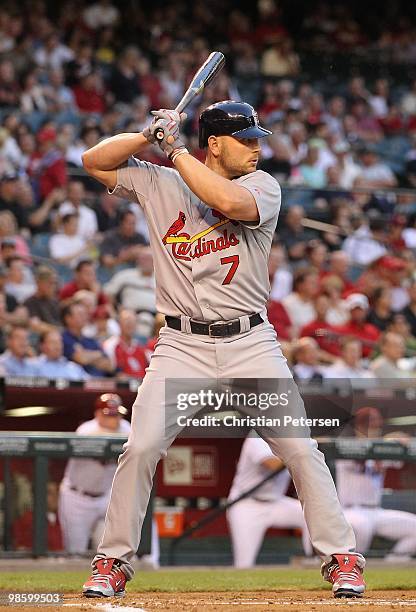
(366, 332)
(70, 289)
(48, 170)
(89, 101)
(326, 336)
(279, 318)
(131, 359)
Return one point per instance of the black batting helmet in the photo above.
(237, 119)
(110, 404)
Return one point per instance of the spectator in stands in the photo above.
(101, 14)
(102, 324)
(3, 322)
(322, 331)
(357, 327)
(310, 172)
(89, 93)
(9, 88)
(67, 247)
(338, 265)
(380, 314)
(77, 347)
(293, 235)
(348, 169)
(121, 245)
(18, 360)
(32, 97)
(9, 198)
(106, 210)
(84, 278)
(408, 102)
(399, 325)
(134, 288)
(43, 306)
(367, 243)
(393, 272)
(51, 362)
(128, 357)
(305, 357)
(281, 278)
(52, 54)
(374, 174)
(410, 310)
(59, 97)
(299, 304)
(19, 279)
(337, 313)
(16, 314)
(42, 218)
(316, 255)
(387, 365)
(349, 365)
(125, 80)
(12, 243)
(280, 59)
(47, 167)
(87, 219)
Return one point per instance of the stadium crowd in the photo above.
(76, 278)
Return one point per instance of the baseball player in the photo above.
(85, 488)
(360, 488)
(211, 227)
(268, 506)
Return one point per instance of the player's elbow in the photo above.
(87, 162)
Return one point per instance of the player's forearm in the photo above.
(112, 152)
(214, 190)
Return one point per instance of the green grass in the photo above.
(209, 580)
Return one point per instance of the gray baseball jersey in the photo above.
(207, 267)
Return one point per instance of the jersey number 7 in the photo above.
(234, 260)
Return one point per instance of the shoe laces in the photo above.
(334, 568)
(105, 577)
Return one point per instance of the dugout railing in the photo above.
(41, 447)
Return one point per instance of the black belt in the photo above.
(216, 329)
(87, 493)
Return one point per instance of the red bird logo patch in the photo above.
(176, 227)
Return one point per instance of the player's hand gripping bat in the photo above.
(206, 73)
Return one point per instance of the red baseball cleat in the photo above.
(345, 572)
(106, 580)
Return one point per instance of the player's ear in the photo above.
(214, 145)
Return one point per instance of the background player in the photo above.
(85, 488)
(360, 488)
(250, 518)
(212, 285)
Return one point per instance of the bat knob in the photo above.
(159, 133)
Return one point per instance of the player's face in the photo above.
(238, 156)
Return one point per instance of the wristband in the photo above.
(177, 152)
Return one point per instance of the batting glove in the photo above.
(169, 121)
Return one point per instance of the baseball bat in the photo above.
(206, 73)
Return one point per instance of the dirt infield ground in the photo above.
(267, 601)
